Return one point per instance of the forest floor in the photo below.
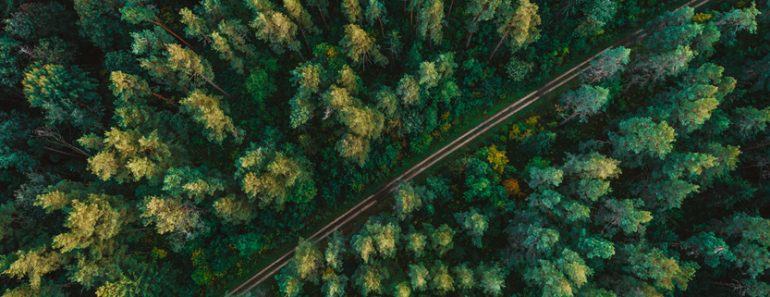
(467, 136)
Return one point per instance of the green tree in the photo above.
(654, 265)
(518, 26)
(277, 30)
(626, 215)
(441, 280)
(419, 277)
(608, 64)
(98, 22)
(275, 176)
(371, 279)
(233, 210)
(584, 102)
(738, 20)
(430, 21)
(173, 216)
(308, 260)
(479, 11)
(491, 279)
(352, 11)
(208, 111)
(442, 239)
(475, 223)
(361, 47)
(407, 201)
(751, 121)
(641, 136)
(67, 96)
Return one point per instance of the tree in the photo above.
(430, 21)
(352, 10)
(441, 281)
(376, 12)
(540, 240)
(277, 30)
(738, 20)
(275, 177)
(713, 249)
(126, 153)
(91, 224)
(498, 159)
(386, 237)
(207, 110)
(662, 65)
(402, 289)
(479, 11)
(553, 282)
(546, 177)
(191, 69)
(641, 136)
(138, 11)
(584, 102)
(415, 243)
(371, 279)
(361, 47)
(67, 96)
(419, 277)
(441, 239)
(234, 211)
(333, 255)
(260, 86)
(474, 223)
(653, 264)
(520, 25)
(407, 201)
(98, 22)
(34, 264)
(597, 13)
(751, 121)
(173, 216)
(308, 260)
(491, 279)
(626, 215)
(334, 285)
(464, 277)
(608, 64)
(364, 246)
(409, 90)
(300, 15)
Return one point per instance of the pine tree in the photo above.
(520, 25)
(361, 47)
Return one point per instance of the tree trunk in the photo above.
(323, 18)
(160, 23)
(468, 40)
(214, 85)
(382, 28)
(164, 98)
(498, 45)
(567, 120)
(451, 4)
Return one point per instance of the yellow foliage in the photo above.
(158, 253)
(702, 17)
(497, 159)
(533, 120)
(52, 201)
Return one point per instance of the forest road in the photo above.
(440, 154)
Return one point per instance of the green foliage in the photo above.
(275, 177)
(65, 95)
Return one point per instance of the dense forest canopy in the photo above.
(159, 147)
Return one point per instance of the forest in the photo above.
(170, 148)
